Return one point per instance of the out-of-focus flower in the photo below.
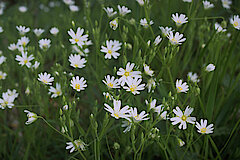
(110, 11)
(210, 68)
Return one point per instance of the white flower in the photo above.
(181, 87)
(24, 59)
(183, 117)
(36, 65)
(141, 2)
(12, 47)
(22, 9)
(193, 77)
(148, 70)
(207, 5)
(128, 72)
(6, 100)
(127, 124)
(74, 8)
(160, 111)
(114, 24)
(110, 11)
(226, 3)
(145, 23)
(2, 75)
(187, 1)
(38, 31)
(157, 40)
(77, 50)
(177, 39)
(108, 96)
(23, 41)
(1, 29)
(210, 68)
(219, 28)
(76, 61)
(22, 29)
(111, 49)
(13, 93)
(31, 117)
(78, 84)
(2, 59)
(152, 103)
(116, 112)
(78, 38)
(111, 82)
(79, 144)
(179, 20)
(69, 2)
(45, 78)
(56, 91)
(54, 31)
(203, 128)
(166, 30)
(65, 107)
(134, 85)
(123, 10)
(235, 21)
(151, 84)
(138, 117)
(44, 43)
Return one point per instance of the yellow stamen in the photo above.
(77, 86)
(235, 24)
(75, 65)
(203, 130)
(110, 85)
(109, 52)
(127, 74)
(76, 40)
(25, 61)
(116, 115)
(184, 118)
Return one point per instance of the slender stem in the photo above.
(62, 135)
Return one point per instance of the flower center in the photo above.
(180, 88)
(76, 40)
(174, 40)
(75, 65)
(235, 24)
(58, 92)
(127, 74)
(109, 51)
(25, 61)
(116, 115)
(77, 86)
(110, 85)
(203, 130)
(45, 81)
(137, 117)
(179, 22)
(132, 88)
(1, 76)
(184, 118)
(24, 43)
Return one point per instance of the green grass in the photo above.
(215, 97)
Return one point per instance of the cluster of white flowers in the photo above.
(8, 98)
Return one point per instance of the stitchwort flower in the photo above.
(203, 128)
(78, 84)
(183, 117)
